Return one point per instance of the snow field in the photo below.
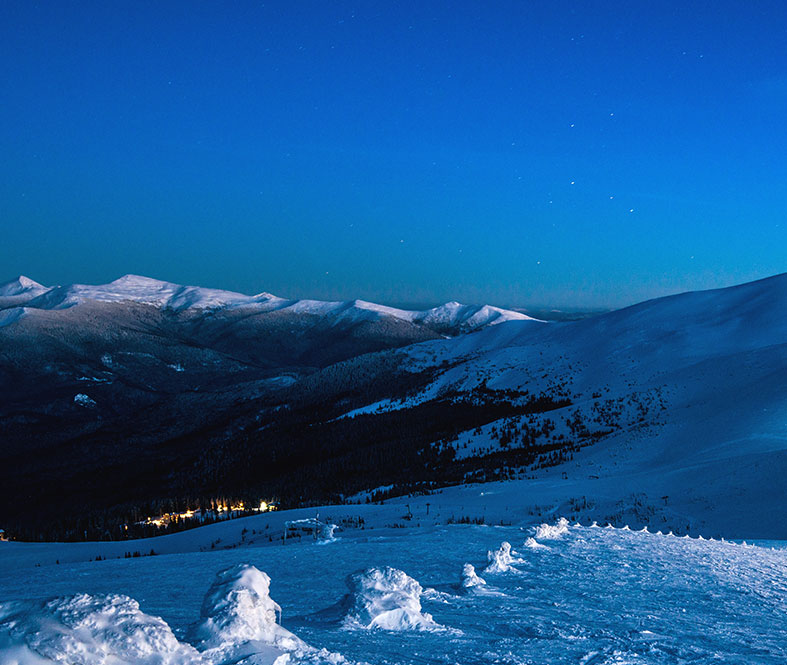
(596, 595)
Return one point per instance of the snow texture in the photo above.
(599, 596)
(388, 599)
(551, 531)
(88, 630)
(238, 608)
(470, 580)
(501, 560)
(533, 544)
(240, 624)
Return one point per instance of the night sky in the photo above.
(587, 154)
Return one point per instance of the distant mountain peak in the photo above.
(20, 286)
(28, 283)
(451, 318)
(140, 280)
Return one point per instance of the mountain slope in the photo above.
(680, 397)
(673, 407)
(19, 291)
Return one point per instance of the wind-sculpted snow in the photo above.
(387, 599)
(551, 531)
(240, 624)
(533, 544)
(88, 630)
(470, 580)
(238, 608)
(599, 596)
(501, 560)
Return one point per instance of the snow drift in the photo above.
(501, 559)
(470, 580)
(88, 630)
(388, 599)
(533, 544)
(551, 531)
(239, 624)
(238, 608)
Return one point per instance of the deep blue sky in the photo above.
(396, 151)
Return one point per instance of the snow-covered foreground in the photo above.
(561, 594)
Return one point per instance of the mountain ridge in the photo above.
(177, 298)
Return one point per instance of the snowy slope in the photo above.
(686, 395)
(21, 286)
(568, 594)
(19, 291)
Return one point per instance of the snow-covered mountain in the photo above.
(18, 292)
(679, 397)
(672, 409)
(21, 286)
(449, 318)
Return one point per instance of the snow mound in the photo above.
(88, 630)
(533, 544)
(471, 581)
(239, 625)
(327, 534)
(238, 608)
(500, 560)
(551, 531)
(388, 599)
(84, 400)
(322, 532)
